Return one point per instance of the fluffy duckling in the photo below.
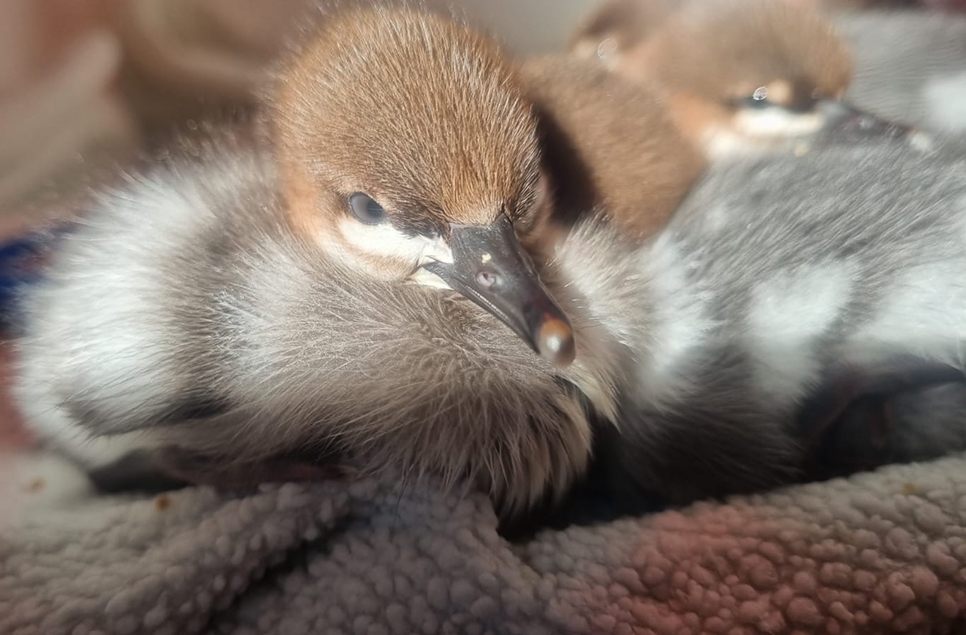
(186, 322)
(187, 318)
(267, 307)
(740, 75)
(202, 313)
(307, 281)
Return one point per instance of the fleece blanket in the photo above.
(879, 552)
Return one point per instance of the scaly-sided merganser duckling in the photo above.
(186, 320)
(218, 334)
(198, 315)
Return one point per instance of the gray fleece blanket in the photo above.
(879, 552)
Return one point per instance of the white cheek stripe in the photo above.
(776, 122)
(382, 240)
(386, 241)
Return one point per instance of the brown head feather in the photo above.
(423, 114)
(609, 143)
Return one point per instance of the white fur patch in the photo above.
(923, 317)
(752, 131)
(777, 122)
(722, 143)
(788, 311)
(97, 336)
(127, 349)
(716, 218)
(681, 325)
(922, 141)
(945, 99)
(384, 240)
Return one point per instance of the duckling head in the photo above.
(740, 74)
(408, 150)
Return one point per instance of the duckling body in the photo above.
(757, 299)
(398, 155)
(202, 312)
(187, 315)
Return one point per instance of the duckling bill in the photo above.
(490, 268)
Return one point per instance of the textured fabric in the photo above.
(878, 552)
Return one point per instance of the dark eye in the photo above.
(758, 99)
(365, 209)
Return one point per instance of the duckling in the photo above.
(406, 145)
(740, 75)
(608, 143)
(617, 26)
(760, 314)
(187, 330)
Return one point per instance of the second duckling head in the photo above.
(740, 74)
(408, 149)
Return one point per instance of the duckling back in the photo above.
(777, 275)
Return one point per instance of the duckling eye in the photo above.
(365, 209)
(758, 99)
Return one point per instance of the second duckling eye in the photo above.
(758, 99)
(365, 209)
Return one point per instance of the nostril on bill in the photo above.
(488, 279)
